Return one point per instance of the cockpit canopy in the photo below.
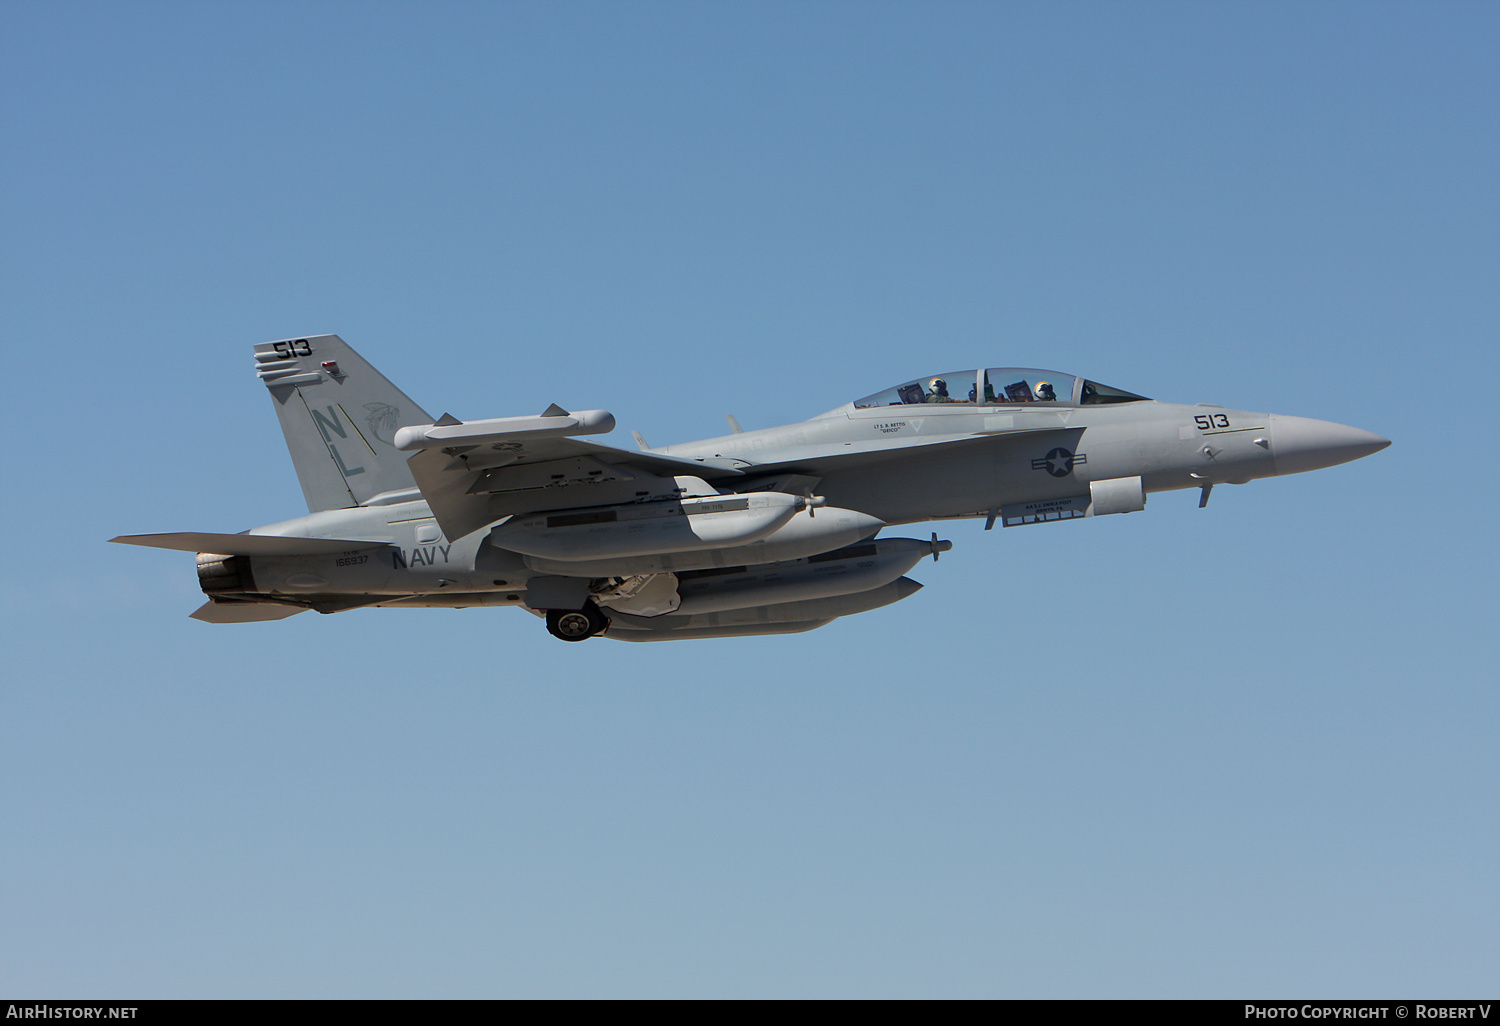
(1000, 385)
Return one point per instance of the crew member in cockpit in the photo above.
(1044, 392)
(938, 391)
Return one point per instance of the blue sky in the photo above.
(1245, 750)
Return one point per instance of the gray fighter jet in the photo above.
(757, 532)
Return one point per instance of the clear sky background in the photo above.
(1247, 750)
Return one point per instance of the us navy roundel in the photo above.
(1059, 462)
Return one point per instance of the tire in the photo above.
(576, 624)
(569, 624)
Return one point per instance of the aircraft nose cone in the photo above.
(1301, 443)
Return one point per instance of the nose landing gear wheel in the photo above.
(576, 624)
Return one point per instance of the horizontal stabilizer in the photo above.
(245, 544)
(244, 612)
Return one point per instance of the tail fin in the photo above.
(339, 416)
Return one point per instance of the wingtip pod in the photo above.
(478, 432)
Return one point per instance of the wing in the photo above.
(472, 474)
(471, 486)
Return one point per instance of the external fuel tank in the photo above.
(803, 533)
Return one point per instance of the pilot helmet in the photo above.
(1044, 388)
(939, 386)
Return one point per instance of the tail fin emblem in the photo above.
(383, 421)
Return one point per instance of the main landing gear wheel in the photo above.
(576, 624)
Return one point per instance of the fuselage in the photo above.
(1015, 460)
(766, 531)
(1026, 454)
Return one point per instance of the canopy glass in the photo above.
(998, 386)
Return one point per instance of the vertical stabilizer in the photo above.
(339, 416)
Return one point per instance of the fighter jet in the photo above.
(773, 531)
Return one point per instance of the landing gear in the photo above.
(576, 624)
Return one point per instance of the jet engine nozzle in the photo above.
(220, 574)
(1300, 444)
